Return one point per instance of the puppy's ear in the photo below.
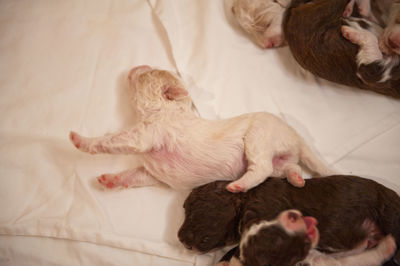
(174, 93)
(248, 217)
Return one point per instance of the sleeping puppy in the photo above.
(182, 150)
(352, 213)
(313, 30)
(290, 239)
(262, 19)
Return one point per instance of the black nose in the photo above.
(187, 246)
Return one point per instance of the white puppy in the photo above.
(178, 148)
(262, 19)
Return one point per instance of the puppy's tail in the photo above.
(313, 162)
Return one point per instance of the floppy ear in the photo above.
(248, 217)
(174, 93)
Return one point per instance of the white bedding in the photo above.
(63, 66)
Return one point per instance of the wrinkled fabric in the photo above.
(63, 66)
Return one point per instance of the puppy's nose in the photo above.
(138, 70)
(394, 42)
(271, 42)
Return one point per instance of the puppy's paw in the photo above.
(75, 139)
(348, 10)
(295, 179)
(387, 246)
(235, 187)
(351, 34)
(364, 8)
(111, 181)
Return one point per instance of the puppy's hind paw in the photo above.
(295, 179)
(234, 187)
(111, 181)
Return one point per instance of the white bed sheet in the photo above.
(63, 66)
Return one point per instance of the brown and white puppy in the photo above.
(352, 212)
(312, 29)
(290, 239)
(183, 150)
(313, 32)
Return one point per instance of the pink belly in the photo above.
(188, 168)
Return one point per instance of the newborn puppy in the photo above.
(262, 19)
(313, 32)
(312, 29)
(290, 240)
(352, 212)
(182, 150)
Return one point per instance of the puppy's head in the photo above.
(155, 90)
(262, 20)
(211, 218)
(284, 241)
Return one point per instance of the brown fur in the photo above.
(312, 30)
(274, 240)
(215, 218)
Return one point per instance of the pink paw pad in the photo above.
(296, 179)
(74, 137)
(109, 181)
(235, 188)
(348, 10)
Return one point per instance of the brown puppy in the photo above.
(351, 212)
(313, 32)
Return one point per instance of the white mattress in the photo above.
(63, 66)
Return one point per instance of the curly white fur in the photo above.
(178, 148)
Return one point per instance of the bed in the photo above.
(63, 66)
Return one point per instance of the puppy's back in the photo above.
(340, 203)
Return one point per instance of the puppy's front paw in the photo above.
(350, 34)
(348, 10)
(235, 187)
(75, 139)
(84, 144)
